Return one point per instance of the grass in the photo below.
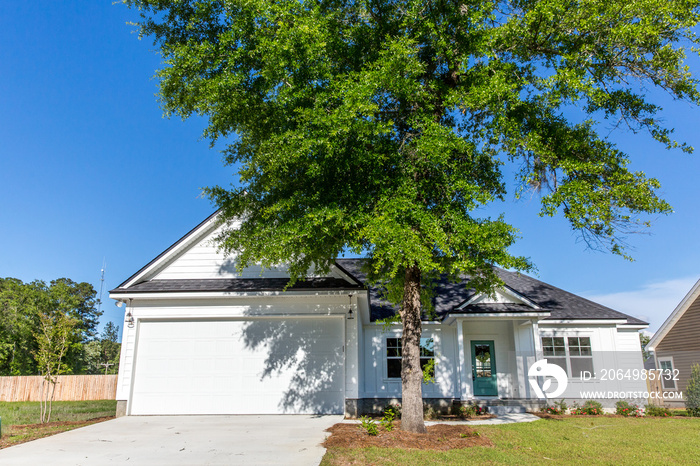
(589, 440)
(65, 415)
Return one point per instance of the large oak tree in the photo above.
(380, 126)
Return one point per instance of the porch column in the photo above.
(525, 354)
(462, 368)
(536, 337)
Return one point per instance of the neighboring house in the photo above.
(200, 338)
(676, 345)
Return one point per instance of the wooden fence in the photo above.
(68, 388)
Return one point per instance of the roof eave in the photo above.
(675, 316)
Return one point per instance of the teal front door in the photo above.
(484, 368)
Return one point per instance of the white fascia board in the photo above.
(451, 318)
(507, 291)
(193, 237)
(675, 316)
(632, 326)
(522, 298)
(346, 275)
(228, 294)
(288, 315)
(399, 325)
(583, 322)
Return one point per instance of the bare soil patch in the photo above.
(439, 437)
(17, 434)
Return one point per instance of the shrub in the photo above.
(559, 407)
(590, 407)
(369, 425)
(396, 409)
(658, 411)
(624, 408)
(388, 420)
(692, 392)
(467, 411)
(429, 412)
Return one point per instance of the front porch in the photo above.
(494, 357)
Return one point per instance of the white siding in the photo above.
(613, 351)
(376, 384)
(126, 361)
(203, 260)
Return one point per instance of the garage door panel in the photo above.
(239, 367)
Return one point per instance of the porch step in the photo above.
(501, 409)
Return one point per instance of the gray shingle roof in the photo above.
(236, 285)
(450, 295)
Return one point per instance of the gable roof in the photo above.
(154, 276)
(539, 297)
(675, 316)
(525, 295)
(207, 224)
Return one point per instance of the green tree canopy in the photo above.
(381, 127)
(22, 304)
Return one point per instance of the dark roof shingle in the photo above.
(236, 285)
(449, 295)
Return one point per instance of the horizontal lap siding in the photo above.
(682, 343)
(68, 388)
(205, 261)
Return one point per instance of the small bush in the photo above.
(658, 411)
(692, 392)
(369, 425)
(396, 409)
(624, 408)
(559, 407)
(387, 421)
(468, 411)
(590, 408)
(429, 412)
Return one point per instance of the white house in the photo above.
(200, 338)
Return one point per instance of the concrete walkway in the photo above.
(176, 440)
(511, 418)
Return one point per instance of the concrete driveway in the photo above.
(191, 440)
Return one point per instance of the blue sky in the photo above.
(90, 170)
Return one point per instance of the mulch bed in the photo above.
(22, 433)
(439, 437)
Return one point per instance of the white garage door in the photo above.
(261, 366)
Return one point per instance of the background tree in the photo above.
(22, 304)
(380, 127)
(18, 319)
(692, 392)
(102, 354)
(644, 341)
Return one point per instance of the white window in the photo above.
(667, 375)
(393, 356)
(573, 354)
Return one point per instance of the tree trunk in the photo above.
(53, 391)
(411, 372)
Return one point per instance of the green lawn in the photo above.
(27, 412)
(589, 440)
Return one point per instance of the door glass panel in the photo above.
(482, 356)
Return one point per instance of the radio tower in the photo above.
(102, 285)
